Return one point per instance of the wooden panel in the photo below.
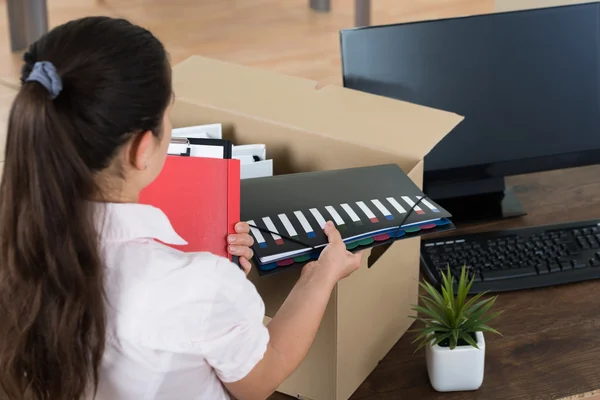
(279, 35)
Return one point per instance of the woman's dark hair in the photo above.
(116, 83)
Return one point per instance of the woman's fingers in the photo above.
(241, 251)
(246, 265)
(240, 239)
(242, 227)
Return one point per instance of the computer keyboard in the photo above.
(518, 259)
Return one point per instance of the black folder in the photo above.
(370, 206)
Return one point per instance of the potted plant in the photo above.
(452, 333)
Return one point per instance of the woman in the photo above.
(93, 303)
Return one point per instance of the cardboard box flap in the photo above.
(345, 115)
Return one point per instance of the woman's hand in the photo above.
(335, 261)
(240, 244)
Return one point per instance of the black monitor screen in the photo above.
(527, 82)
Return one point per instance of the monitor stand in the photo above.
(477, 201)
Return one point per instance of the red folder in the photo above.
(201, 198)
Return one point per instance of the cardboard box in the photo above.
(514, 5)
(307, 127)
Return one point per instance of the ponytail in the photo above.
(51, 277)
(88, 86)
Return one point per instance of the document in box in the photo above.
(253, 160)
(206, 141)
(258, 151)
(194, 147)
(210, 131)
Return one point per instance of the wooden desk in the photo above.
(550, 348)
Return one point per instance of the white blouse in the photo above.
(178, 323)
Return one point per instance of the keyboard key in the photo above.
(572, 249)
(556, 267)
(509, 273)
(583, 243)
(541, 268)
(566, 265)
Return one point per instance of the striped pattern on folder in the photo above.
(369, 205)
(302, 224)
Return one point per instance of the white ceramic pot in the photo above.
(455, 370)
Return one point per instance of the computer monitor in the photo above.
(527, 83)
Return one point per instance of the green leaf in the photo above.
(435, 308)
(464, 285)
(432, 292)
(470, 284)
(475, 307)
(447, 288)
(461, 291)
(432, 313)
(469, 304)
(481, 308)
(467, 338)
(432, 324)
(485, 328)
(426, 333)
(451, 288)
(455, 336)
(441, 338)
(447, 294)
(434, 328)
(441, 300)
(432, 303)
(484, 320)
(421, 345)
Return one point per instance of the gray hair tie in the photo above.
(45, 73)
